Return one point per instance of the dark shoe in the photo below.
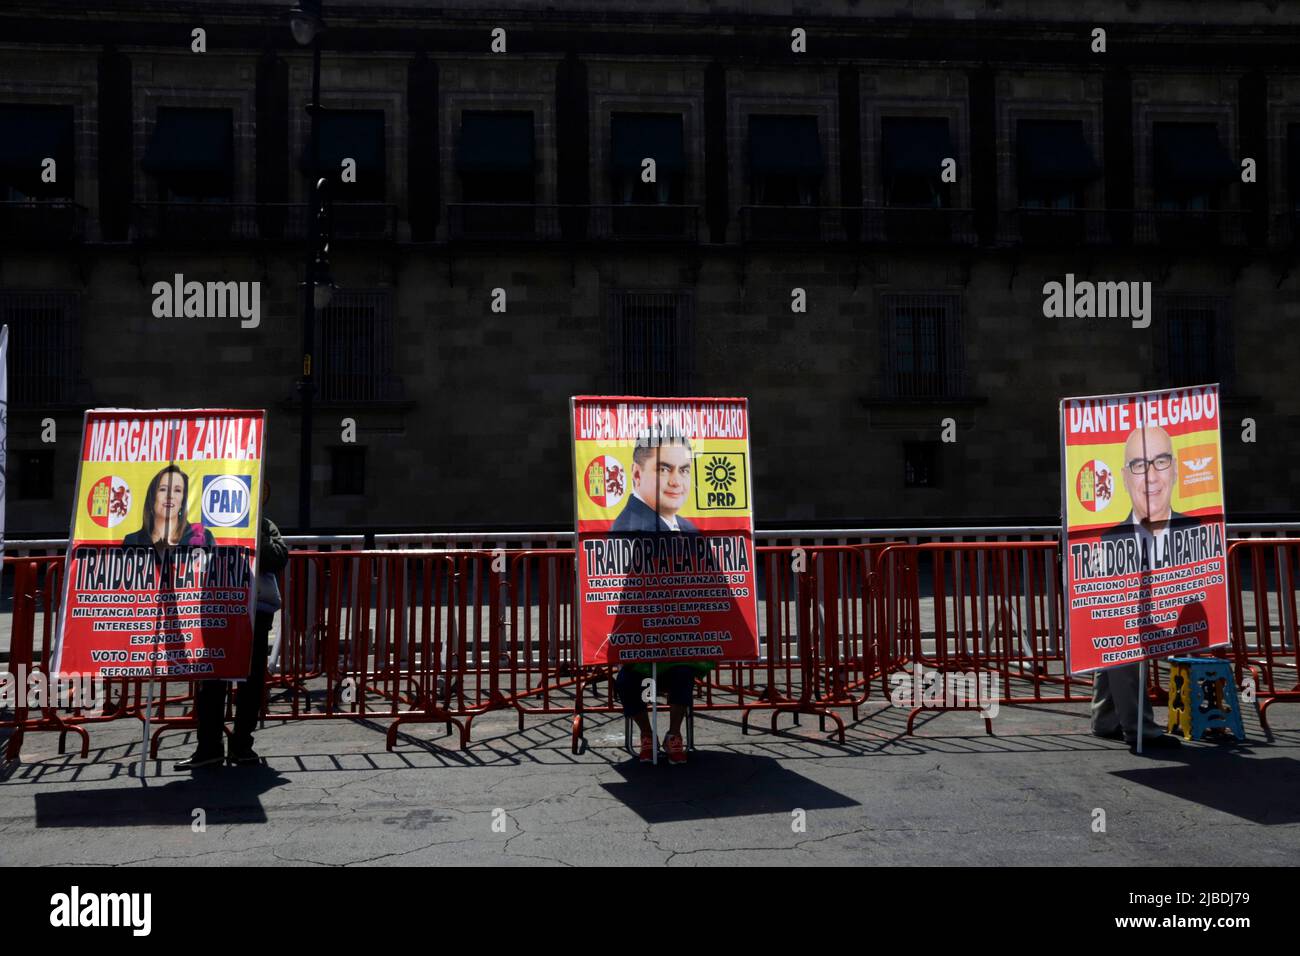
(1116, 734)
(1163, 742)
(244, 758)
(200, 759)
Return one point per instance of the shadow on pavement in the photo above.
(1261, 790)
(235, 792)
(717, 784)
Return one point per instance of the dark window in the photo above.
(1293, 165)
(356, 135)
(920, 464)
(495, 158)
(34, 471)
(1191, 166)
(1197, 341)
(923, 349)
(43, 346)
(785, 160)
(28, 136)
(635, 137)
(348, 470)
(1053, 164)
(191, 154)
(912, 154)
(652, 343)
(355, 349)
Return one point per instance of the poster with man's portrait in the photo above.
(1145, 540)
(665, 529)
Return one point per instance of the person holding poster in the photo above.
(164, 522)
(665, 562)
(1154, 583)
(159, 581)
(210, 699)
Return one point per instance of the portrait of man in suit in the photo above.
(661, 485)
(1150, 474)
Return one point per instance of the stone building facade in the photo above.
(777, 170)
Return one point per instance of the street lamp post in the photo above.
(306, 24)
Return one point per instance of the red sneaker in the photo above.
(647, 749)
(676, 749)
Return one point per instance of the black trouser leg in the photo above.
(210, 709)
(248, 696)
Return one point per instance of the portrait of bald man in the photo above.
(1150, 474)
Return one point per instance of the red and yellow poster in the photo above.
(1142, 504)
(160, 579)
(666, 566)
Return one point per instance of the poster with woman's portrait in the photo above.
(160, 579)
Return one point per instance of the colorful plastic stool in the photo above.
(1203, 697)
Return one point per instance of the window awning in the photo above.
(354, 134)
(191, 141)
(635, 136)
(496, 142)
(1190, 154)
(915, 146)
(1054, 151)
(28, 134)
(786, 145)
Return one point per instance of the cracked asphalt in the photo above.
(329, 794)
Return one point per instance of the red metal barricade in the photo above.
(447, 636)
(1262, 583)
(983, 612)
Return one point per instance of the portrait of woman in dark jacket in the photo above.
(165, 523)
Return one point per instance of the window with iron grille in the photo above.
(1198, 347)
(44, 351)
(923, 353)
(354, 353)
(652, 343)
(348, 470)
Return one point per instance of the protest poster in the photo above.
(665, 533)
(1145, 542)
(159, 580)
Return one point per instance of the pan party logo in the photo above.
(227, 500)
(721, 483)
(109, 501)
(1095, 485)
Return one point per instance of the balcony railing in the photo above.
(879, 225)
(1189, 228)
(57, 220)
(799, 223)
(918, 226)
(637, 221)
(1057, 228)
(505, 222)
(1286, 228)
(270, 222)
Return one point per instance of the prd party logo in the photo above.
(1095, 485)
(226, 500)
(605, 481)
(722, 481)
(109, 501)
